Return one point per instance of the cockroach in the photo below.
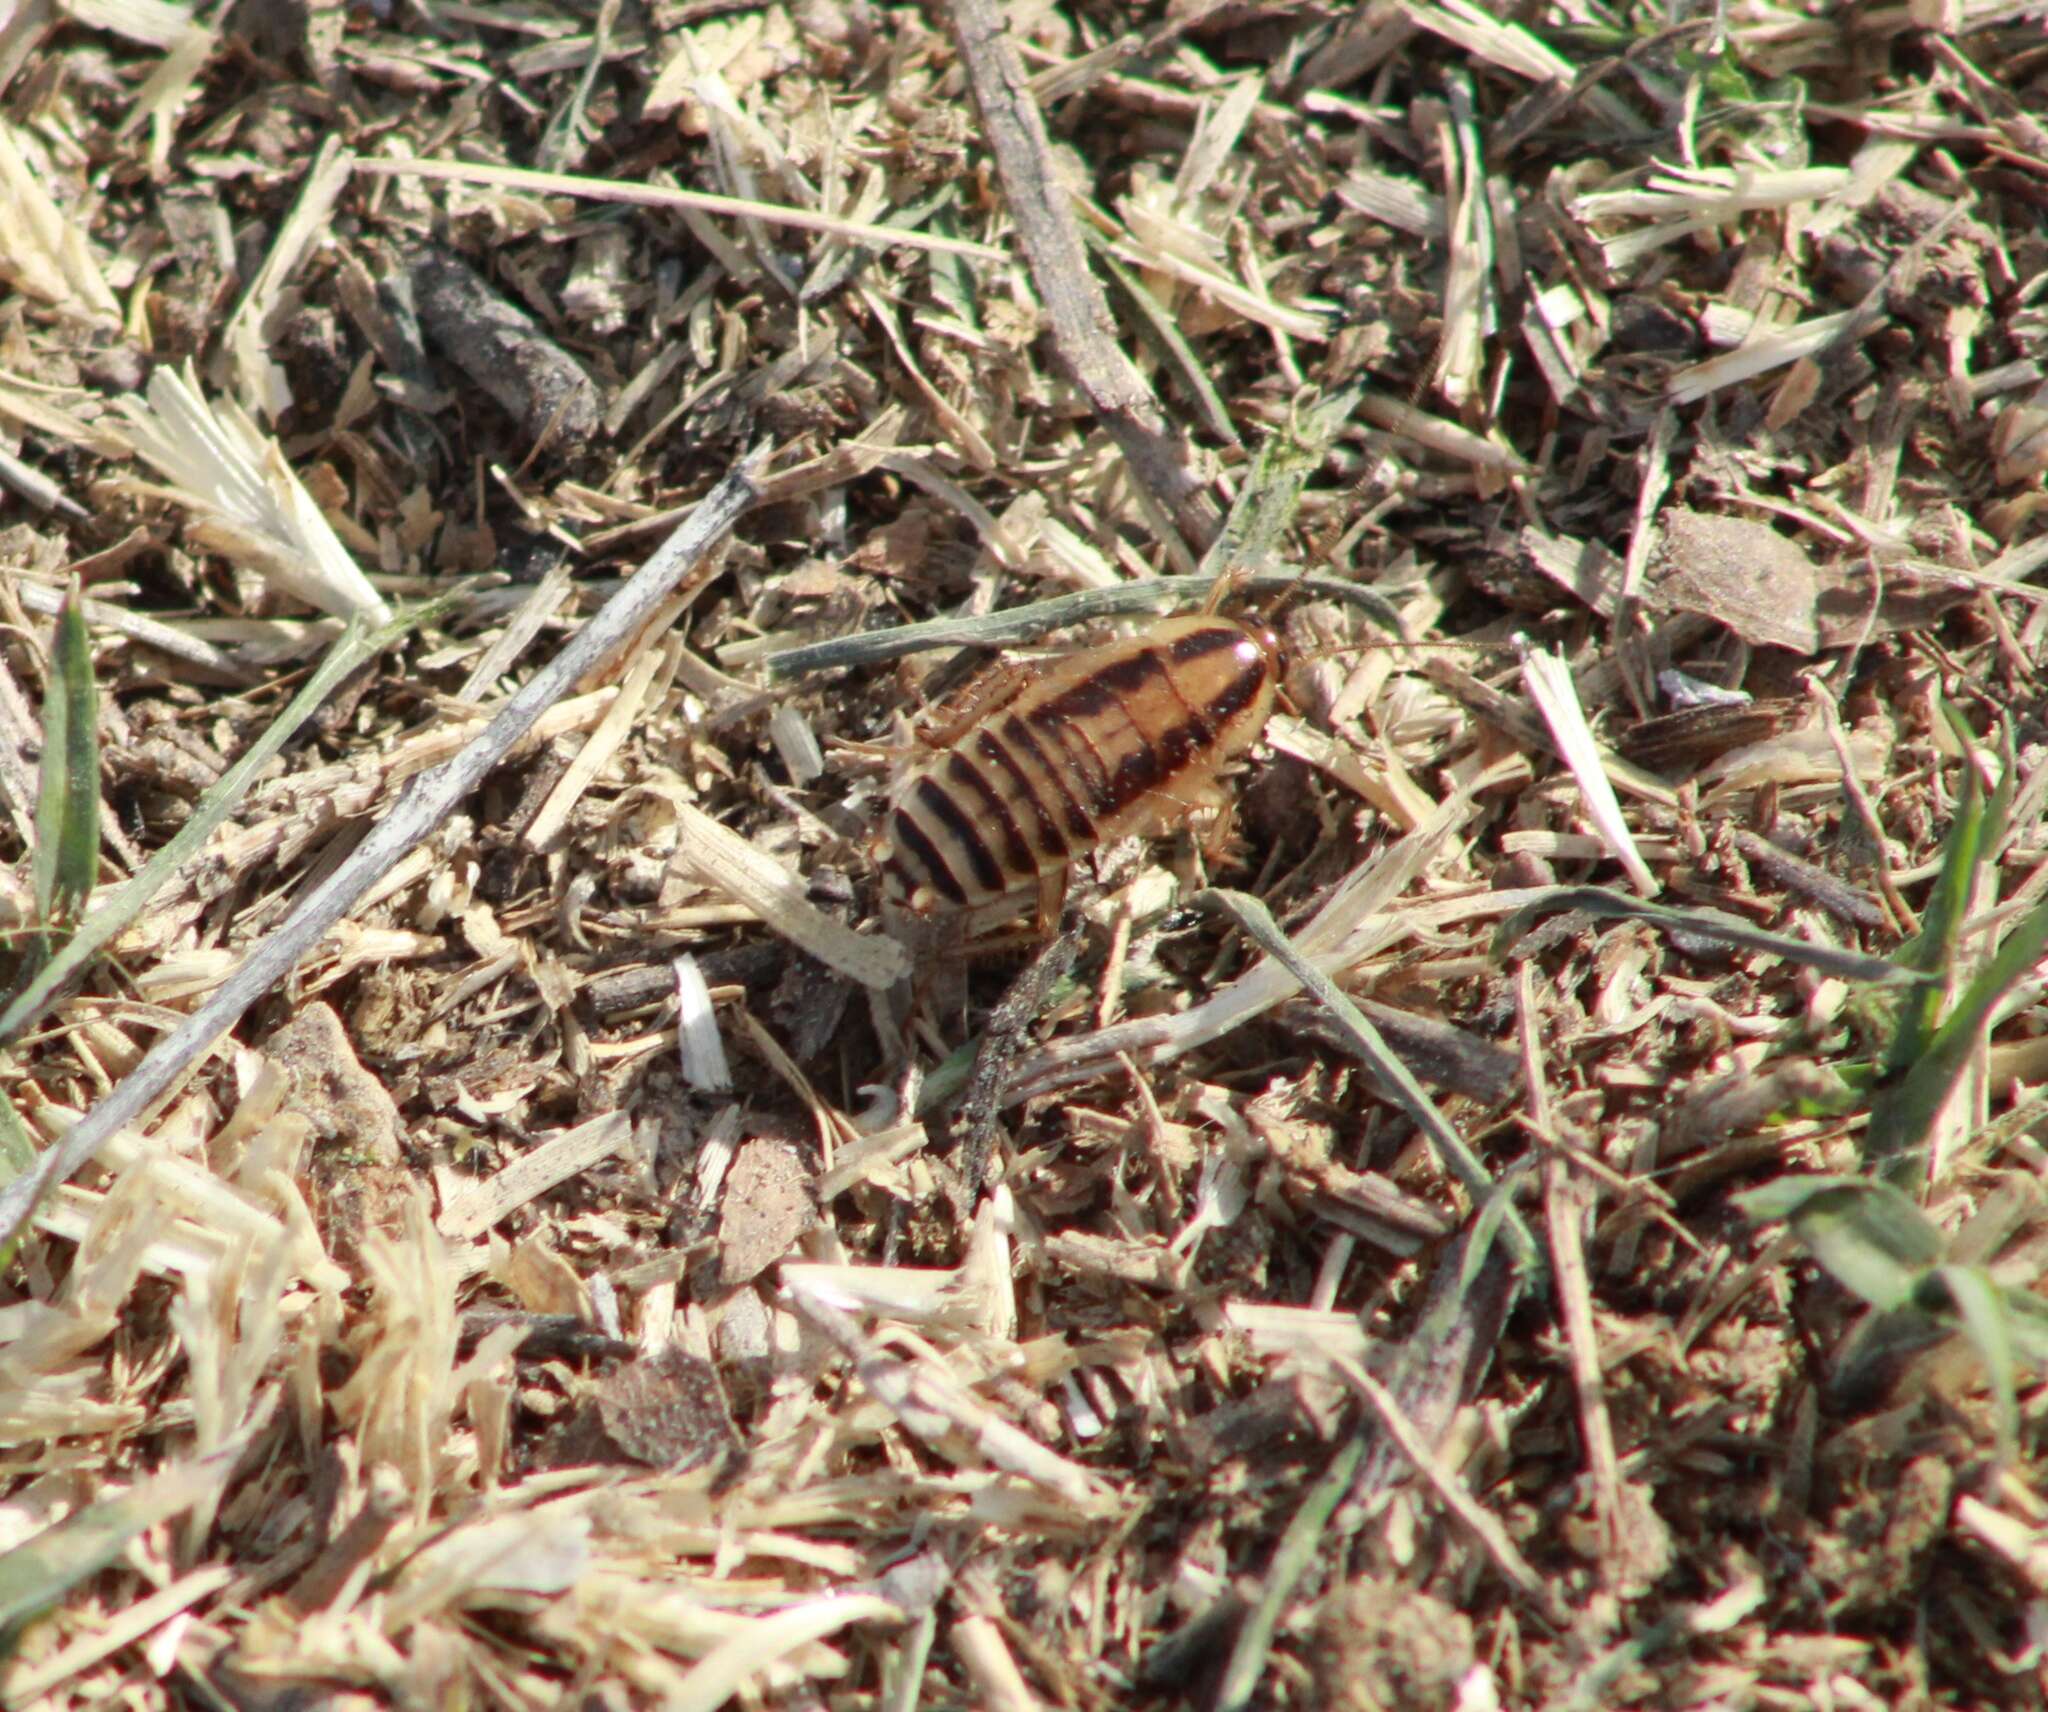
(1128, 738)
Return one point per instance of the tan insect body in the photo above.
(1122, 739)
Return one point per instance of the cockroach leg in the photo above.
(938, 984)
(1052, 898)
(1212, 816)
(982, 697)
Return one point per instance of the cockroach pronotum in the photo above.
(1127, 738)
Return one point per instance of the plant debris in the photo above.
(1543, 1208)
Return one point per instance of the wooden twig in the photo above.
(1075, 307)
(997, 1055)
(422, 808)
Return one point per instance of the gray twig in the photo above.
(419, 810)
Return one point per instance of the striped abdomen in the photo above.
(1111, 741)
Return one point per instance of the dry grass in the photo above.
(564, 1287)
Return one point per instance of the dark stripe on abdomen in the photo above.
(936, 801)
(1238, 695)
(1016, 852)
(1200, 644)
(909, 839)
(1051, 845)
(1103, 688)
(1080, 829)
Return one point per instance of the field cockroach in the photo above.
(1127, 738)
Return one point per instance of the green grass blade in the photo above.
(68, 795)
(1902, 1117)
(17, 1151)
(1868, 1236)
(1987, 1323)
(41, 1570)
(1453, 1152)
(1297, 1552)
(2027, 1324)
(1254, 534)
(1162, 331)
(1702, 924)
(1932, 950)
(349, 651)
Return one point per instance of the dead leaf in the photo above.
(766, 1206)
(1759, 583)
(665, 1410)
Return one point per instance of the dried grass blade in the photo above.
(531, 1175)
(150, 632)
(47, 253)
(1435, 434)
(726, 861)
(1549, 683)
(37, 1573)
(739, 1658)
(664, 196)
(1347, 928)
(1471, 314)
(933, 1406)
(1601, 1682)
(425, 803)
(154, 23)
(1453, 1153)
(124, 1628)
(703, 1047)
(225, 467)
(212, 809)
(1770, 351)
(1027, 623)
(1702, 924)
(1165, 332)
(259, 378)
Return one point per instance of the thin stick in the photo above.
(1492, 1537)
(425, 804)
(1000, 1041)
(1076, 310)
(222, 798)
(666, 196)
(1023, 623)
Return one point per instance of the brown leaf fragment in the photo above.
(665, 1410)
(1587, 569)
(766, 1207)
(1902, 600)
(501, 348)
(356, 1175)
(348, 1107)
(1678, 742)
(1440, 1054)
(1760, 584)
